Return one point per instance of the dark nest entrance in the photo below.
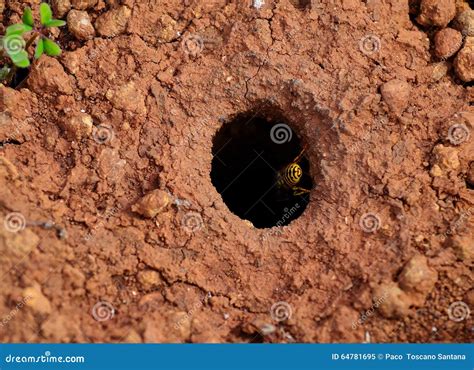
(249, 153)
(14, 78)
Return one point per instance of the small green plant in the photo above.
(14, 48)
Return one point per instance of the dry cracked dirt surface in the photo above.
(112, 227)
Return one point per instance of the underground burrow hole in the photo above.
(17, 78)
(301, 4)
(260, 169)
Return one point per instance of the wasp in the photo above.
(290, 176)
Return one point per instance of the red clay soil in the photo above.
(112, 230)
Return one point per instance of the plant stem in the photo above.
(31, 40)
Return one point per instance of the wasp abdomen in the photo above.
(292, 174)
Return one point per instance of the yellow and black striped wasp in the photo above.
(290, 176)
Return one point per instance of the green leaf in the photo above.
(28, 18)
(20, 59)
(23, 63)
(19, 56)
(17, 29)
(39, 49)
(51, 48)
(46, 13)
(55, 23)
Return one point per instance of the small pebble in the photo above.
(167, 28)
(79, 23)
(465, 22)
(60, 7)
(417, 276)
(78, 126)
(396, 93)
(149, 279)
(114, 22)
(267, 329)
(437, 12)
(128, 97)
(447, 42)
(152, 203)
(464, 62)
(36, 300)
(367, 337)
(445, 158)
